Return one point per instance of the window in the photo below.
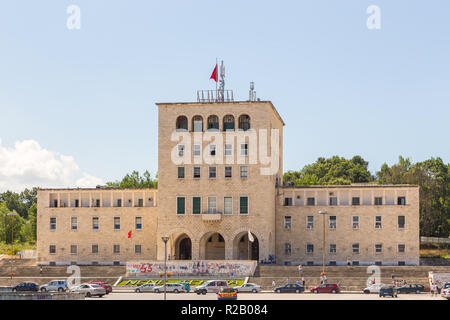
(310, 222)
(244, 149)
(332, 222)
(52, 249)
(401, 201)
(378, 222)
(77, 203)
(52, 223)
(287, 222)
(355, 201)
(73, 249)
(401, 263)
(196, 172)
(95, 248)
(355, 222)
(196, 205)
(181, 123)
(116, 248)
(212, 172)
(119, 202)
(180, 172)
(228, 172)
(333, 201)
(244, 171)
(244, 122)
(401, 248)
(73, 223)
(137, 249)
(288, 201)
(287, 249)
(140, 202)
(378, 263)
(181, 201)
(97, 203)
(212, 150)
(228, 149)
(228, 122)
(228, 205)
(243, 205)
(333, 248)
(355, 263)
(212, 205)
(116, 223)
(378, 248)
(95, 223)
(309, 248)
(378, 201)
(355, 248)
(401, 222)
(197, 150)
(138, 223)
(332, 263)
(197, 124)
(213, 123)
(310, 201)
(181, 150)
(310, 263)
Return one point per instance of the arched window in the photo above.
(228, 122)
(213, 123)
(182, 123)
(244, 122)
(197, 124)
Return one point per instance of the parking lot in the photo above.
(264, 296)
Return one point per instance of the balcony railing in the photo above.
(211, 215)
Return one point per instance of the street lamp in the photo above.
(324, 213)
(165, 239)
(12, 215)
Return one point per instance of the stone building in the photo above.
(219, 186)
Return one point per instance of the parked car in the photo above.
(248, 287)
(108, 288)
(148, 287)
(373, 288)
(326, 288)
(445, 291)
(388, 290)
(54, 285)
(26, 286)
(170, 287)
(289, 288)
(410, 288)
(227, 293)
(211, 286)
(89, 289)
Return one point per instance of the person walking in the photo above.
(274, 284)
(40, 271)
(300, 270)
(303, 281)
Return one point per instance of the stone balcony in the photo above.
(212, 216)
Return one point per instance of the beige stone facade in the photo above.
(216, 183)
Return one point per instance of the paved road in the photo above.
(264, 296)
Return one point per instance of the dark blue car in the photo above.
(290, 288)
(411, 288)
(26, 286)
(388, 290)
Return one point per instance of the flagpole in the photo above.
(217, 94)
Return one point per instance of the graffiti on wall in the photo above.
(192, 268)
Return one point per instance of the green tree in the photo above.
(332, 171)
(6, 225)
(135, 180)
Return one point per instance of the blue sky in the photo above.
(341, 88)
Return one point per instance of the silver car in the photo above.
(148, 287)
(89, 289)
(170, 287)
(373, 288)
(248, 287)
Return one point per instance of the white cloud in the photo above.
(28, 165)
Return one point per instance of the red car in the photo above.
(326, 288)
(107, 287)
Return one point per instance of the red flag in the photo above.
(129, 234)
(214, 75)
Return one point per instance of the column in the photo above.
(293, 197)
(372, 200)
(154, 198)
(90, 199)
(196, 249)
(338, 195)
(79, 199)
(59, 199)
(229, 249)
(112, 199)
(304, 197)
(123, 199)
(132, 199)
(101, 199)
(68, 200)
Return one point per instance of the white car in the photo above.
(445, 291)
(148, 287)
(248, 287)
(170, 287)
(373, 288)
(89, 289)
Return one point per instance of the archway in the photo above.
(183, 248)
(243, 249)
(212, 246)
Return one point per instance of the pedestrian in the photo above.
(325, 278)
(321, 279)
(300, 270)
(433, 289)
(40, 271)
(299, 282)
(274, 284)
(288, 280)
(303, 281)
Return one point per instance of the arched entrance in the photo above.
(243, 249)
(212, 246)
(183, 248)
